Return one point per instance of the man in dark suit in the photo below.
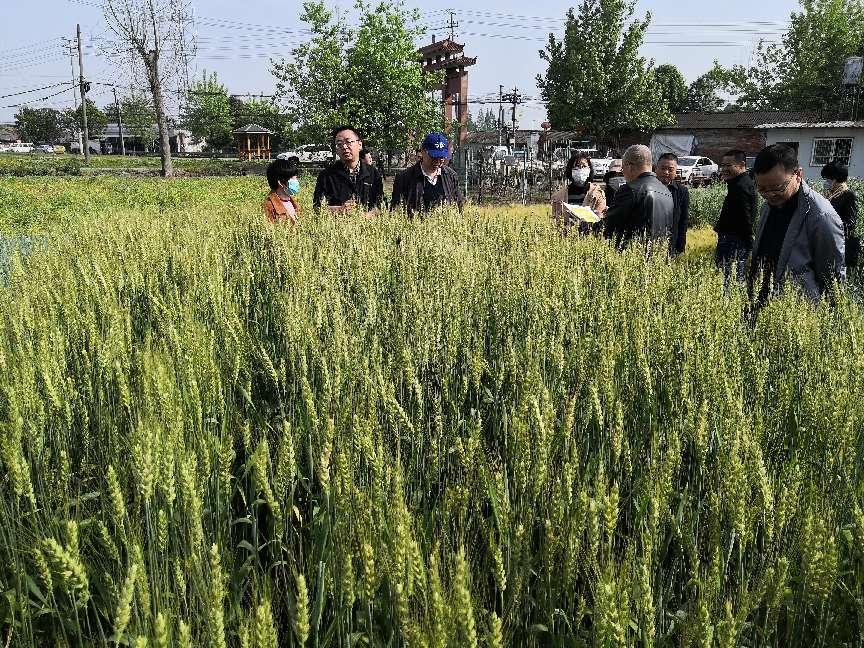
(735, 224)
(667, 172)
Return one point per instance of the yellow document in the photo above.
(585, 214)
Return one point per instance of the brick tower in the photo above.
(448, 55)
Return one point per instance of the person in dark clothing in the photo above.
(800, 236)
(349, 182)
(845, 203)
(612, 181)
(667, 171)
(735, 224)
(644, 206)
(429, 183)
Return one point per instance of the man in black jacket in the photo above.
(735, 224)
(667, 171)
(644, 206)
(429, 183)
(349, 182)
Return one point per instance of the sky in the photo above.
(237, 39)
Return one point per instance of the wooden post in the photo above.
(248, 148)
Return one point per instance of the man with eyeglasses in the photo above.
(348, 182)
(735, 224)
(800, 236)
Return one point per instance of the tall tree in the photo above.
(39, 124)
(596, 79)
(370, 77)
(804, 70)
(702, 95)
(672, 87)
(156, 33)
(97, 120)
(207, 113)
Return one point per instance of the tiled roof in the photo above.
(441, 47)
(831, 124)
(253, 129)
(737, 120)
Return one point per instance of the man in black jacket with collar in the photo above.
(349, 182)
(429, 183)
(667, 172)
(643, 207)
(735, 224)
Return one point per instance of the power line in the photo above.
(23, 92)
(24, 103)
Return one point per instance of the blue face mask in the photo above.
(293, 186)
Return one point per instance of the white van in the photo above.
(22, 147)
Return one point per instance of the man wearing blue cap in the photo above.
(430, 183)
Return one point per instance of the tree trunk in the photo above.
(159, 106)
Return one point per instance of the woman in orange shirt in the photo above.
(281, 206)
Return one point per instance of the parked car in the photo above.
(601, 166)
(309, 153)
(695, 170)
(22, 147)
(44, 148)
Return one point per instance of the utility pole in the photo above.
(74, 95)
(453, 24)
(120, 124)
(83, 98)
(500, 113)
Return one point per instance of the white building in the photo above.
(821, 142)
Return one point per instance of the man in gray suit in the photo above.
(643, 207)
(800, 236)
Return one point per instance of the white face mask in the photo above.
(580, 176)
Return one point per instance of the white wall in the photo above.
(805, 137)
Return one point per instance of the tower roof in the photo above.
(446, 46)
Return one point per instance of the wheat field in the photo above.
(461, 431)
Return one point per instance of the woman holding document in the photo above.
(578, 191)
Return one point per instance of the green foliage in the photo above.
(207, 113)
(672, 87)
(40, 125)
(96, 118)
(369, 76)
(139, 119)
(702, 94)
(458, 430)
(487, 120)
(596, 79)
(804, 70)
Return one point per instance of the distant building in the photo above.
(820, 142)
(181, 140)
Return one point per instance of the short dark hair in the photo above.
(774, 156)
(738, 155)
(365, 151)
(341, 128)
(280, 170)
(667, 156)
(294, 161)
(835, 171)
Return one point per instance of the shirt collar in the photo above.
(431, 177)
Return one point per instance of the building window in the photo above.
(828, 149)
